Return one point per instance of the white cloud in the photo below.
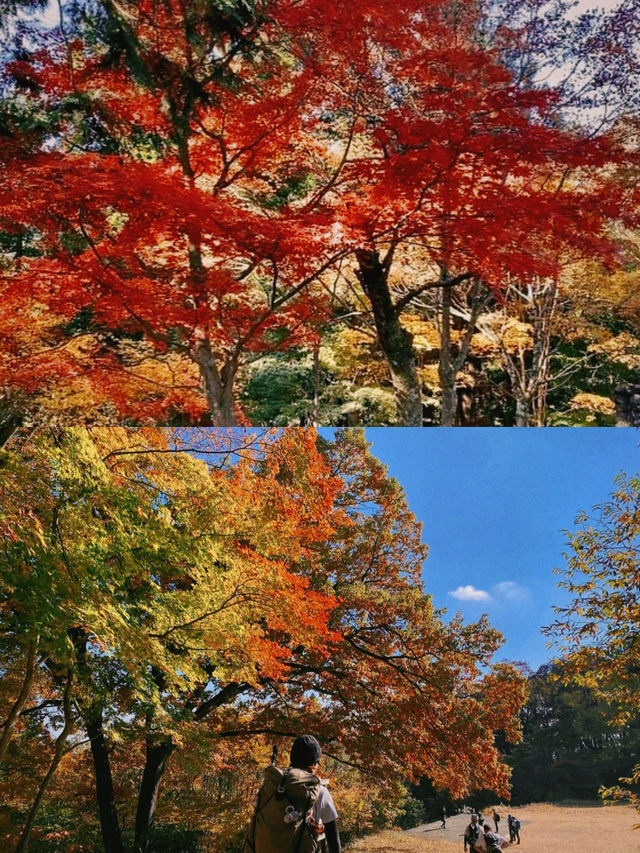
(511, 592)
(470, 593)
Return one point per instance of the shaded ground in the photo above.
(545, 829)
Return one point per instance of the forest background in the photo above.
(176, 602)
(219, 212)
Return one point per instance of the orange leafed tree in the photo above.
(274, 590)
(165, 586)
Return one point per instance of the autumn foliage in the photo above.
(176, 602)
(596, 632)
(183, 187)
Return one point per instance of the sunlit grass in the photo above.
(568, 827)
(394, 841)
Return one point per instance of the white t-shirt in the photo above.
(324, 808)
(482, 844)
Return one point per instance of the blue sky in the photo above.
(494, 504)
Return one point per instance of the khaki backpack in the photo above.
(280, 823)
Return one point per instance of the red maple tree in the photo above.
(202, 176)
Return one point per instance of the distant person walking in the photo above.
(514, 828)
(496, 820)
(443, 818)
(472, 835)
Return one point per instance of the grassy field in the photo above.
(563, 828)
(402, 842)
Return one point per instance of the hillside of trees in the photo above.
(255, 211)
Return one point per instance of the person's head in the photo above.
(486, 827)
(305, 753)
(474, 818)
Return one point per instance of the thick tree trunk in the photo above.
(218, 384)
(628, 406)
(446, 368)
(157, 755)
(395, 340)
(9, 724)
(158, 752)
(109, 823)
(61, 741)
(92, 715)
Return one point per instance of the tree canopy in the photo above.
(179, 596)
(189, 189)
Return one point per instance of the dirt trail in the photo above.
(545, 829)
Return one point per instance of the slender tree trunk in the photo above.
(542, 352)
(218, 383)
(539, 408)
(315, 414)
(517, 373)
(446, 368)
(395, 340)
(522, 410)
(9, 724)
(61, 741)
(529, 371)
(157, 755)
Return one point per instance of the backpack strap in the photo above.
(281, 789)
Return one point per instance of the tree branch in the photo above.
(448, 282)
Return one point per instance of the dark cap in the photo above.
(305, 752)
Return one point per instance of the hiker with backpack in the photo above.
(514, 828)
(294, 812)
(494, 843)
(496, 820)
(472, 835)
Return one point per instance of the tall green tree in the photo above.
(597, 632)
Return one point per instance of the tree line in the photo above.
(568, 752)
